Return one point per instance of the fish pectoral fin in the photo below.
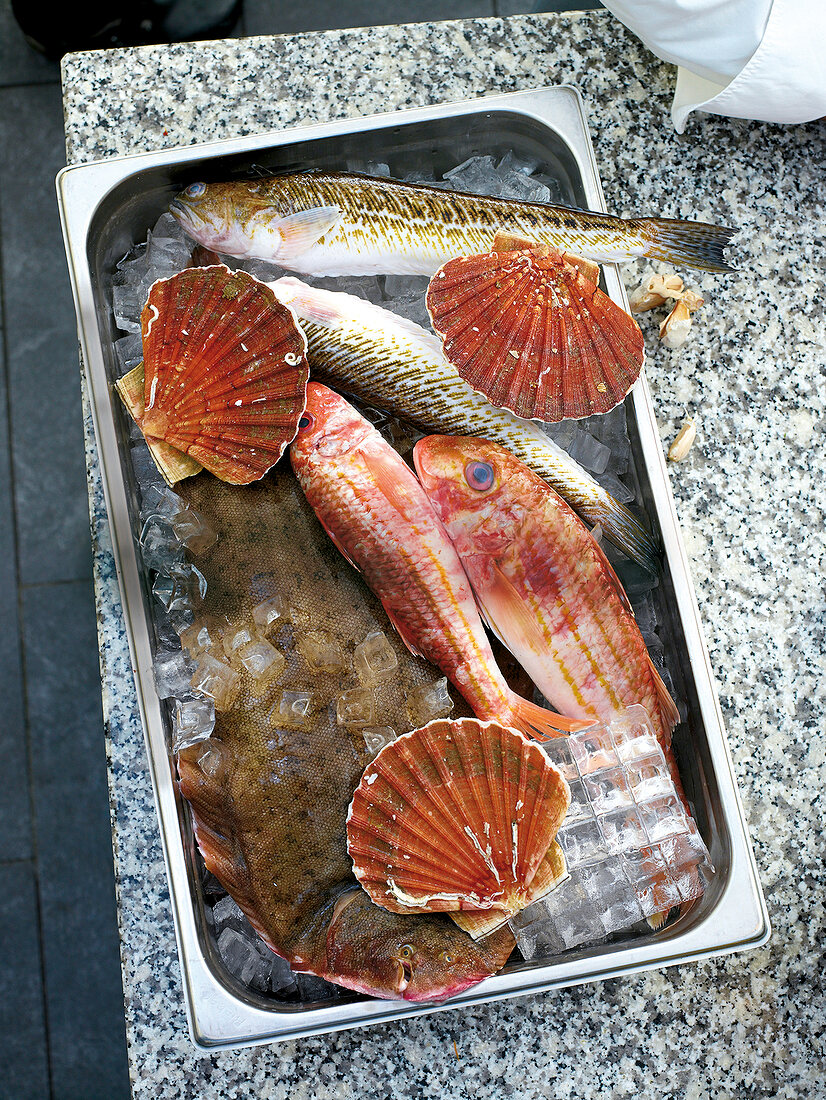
(300, 231)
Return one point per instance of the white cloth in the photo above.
(760, 59)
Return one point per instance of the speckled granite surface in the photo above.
(751, 501)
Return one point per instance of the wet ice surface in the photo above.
(630, 848)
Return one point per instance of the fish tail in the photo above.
(541, 724)
(692, 244)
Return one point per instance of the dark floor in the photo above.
(61, 1015)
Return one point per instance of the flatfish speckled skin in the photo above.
(269, 801)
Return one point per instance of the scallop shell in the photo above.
(456, 815)
(480, 923)
(225, 371)
(531, 330)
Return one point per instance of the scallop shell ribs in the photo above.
(225, 372)
(455, 816)
(530, 329)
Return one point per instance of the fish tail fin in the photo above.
(692, 244)
(539, 723)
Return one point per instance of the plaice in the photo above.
(269, 799)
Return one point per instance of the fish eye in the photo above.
(479, 475)
(195, 190)
(307, 420)
(446, 958)
(406, 951)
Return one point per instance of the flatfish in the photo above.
(269, 791)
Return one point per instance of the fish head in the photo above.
(471, 485)
(412, 958)
(329, 427)
(245, 218)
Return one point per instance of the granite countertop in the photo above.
(750, 498)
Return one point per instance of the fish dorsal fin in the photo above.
(300, 231)
(668, 708)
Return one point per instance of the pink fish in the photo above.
(543, 584)
(380, 518)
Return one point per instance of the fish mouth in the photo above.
(405, 975)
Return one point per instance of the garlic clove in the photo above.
(656, 291)
(674, 329)
(692, 300)
(683, 441)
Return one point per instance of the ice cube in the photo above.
(558, 750)
(377, 168)
(554, 188)
(429, 701)
(199, 637)
(536, 934)
(356, 707)
(262, 661)
(227, 914)
(194, 721)
(160, 500)
(360, 286)
(217, 680)
(270, 613)
(580, 804)
(210, 886)
(477, 175)
(588, 452)
(375, 659)
(412, 309)
(622, 831)
(160, 550)
(193, 531)
(181, 588)
(376, 737)
(608, 790)
(663, 817)
(278, 978)
(612, 485)
(292, 709)
(313, 988)
(146, 472)
(235, 638)
(593, 749)
(649, 778)
(211, 757)
(511, 162)
(129, 350)
(613, 896)
(321, 651)
(173, 673)
(126, 306)
(576, 920)
(166, 255)
(655, 888)
(521, 188)
(581, 842)
(239, 954)
(405, 286)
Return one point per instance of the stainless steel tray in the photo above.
(106, 208)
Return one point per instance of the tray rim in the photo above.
(218, 1019)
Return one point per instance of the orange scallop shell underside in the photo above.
(225, 371)
(530, 329)
(455, 816)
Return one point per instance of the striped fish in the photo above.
(386, 360)
(340, 223)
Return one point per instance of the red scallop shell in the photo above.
(225, 371)
(531, 330)
(456, 815)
